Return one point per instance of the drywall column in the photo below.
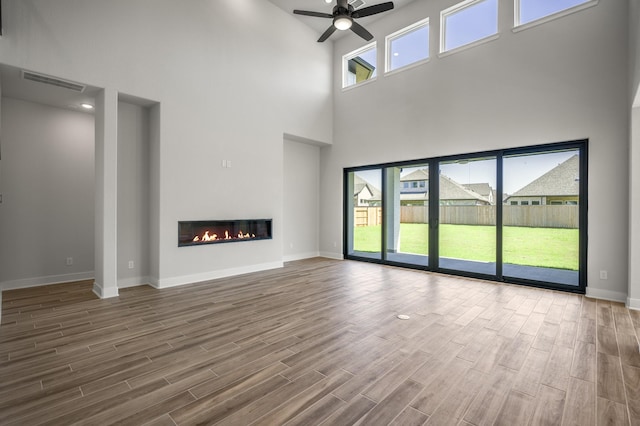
(106, 270)
(0, 186)
(633, 298)
(392, 209)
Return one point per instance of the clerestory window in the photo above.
(359, 66)
(468, 22)
(408, 46)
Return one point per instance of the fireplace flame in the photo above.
(214, 237)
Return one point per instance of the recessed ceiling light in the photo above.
(328, 1)
(86, 106)
(396, 54)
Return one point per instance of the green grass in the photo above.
(544, 247)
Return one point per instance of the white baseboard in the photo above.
(331, 255)
(633, 304)
(300, 256)
(104, 293)
(133, 282)
(613, 296)
(48, 280)
(213, 275)
(154, 282)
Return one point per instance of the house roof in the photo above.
(562, 180)
(449, 189)
(452, 190)
(359, 184)
(420, 174)
(483, 189)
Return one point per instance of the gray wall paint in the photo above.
(231, 77)
(134, 229)
(541, 85)
(634, 49)
(47, 177)
(301, 200)
(633, 299)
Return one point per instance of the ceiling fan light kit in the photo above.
(343, 18)
(343, 23)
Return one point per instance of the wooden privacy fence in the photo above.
(528, 216)
(367, 216)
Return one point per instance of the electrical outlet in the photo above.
(131, 264)
(604, 275)
(69, 261)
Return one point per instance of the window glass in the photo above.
(360, 65)
(466, 22)
(408, 46)
(532, 10)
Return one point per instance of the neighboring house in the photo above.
(483, 189)
(414, 188)
(365, 194)
(559, 186)
(414, 191)
(360, 70)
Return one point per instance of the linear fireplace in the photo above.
(199, 232)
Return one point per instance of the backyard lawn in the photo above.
(544, 247)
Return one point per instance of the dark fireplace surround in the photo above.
(203, 232)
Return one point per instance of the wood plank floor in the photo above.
(318, 342)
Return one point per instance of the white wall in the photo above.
(545, 84)
(634, 49)
(633, 299)
(133, 195)
(47, 185)
(231, 77)
(301, 200)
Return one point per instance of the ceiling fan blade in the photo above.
(315, 14)
(327, 34)
(372, 10)
(359, 29)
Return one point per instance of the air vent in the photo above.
(357, 4)
(40, 78)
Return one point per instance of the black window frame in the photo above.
(581, 145)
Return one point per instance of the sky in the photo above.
(530, 10)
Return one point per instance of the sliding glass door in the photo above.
(515, 215)
(541, 216)
(407, 214)
(365, 213)
(467, 224)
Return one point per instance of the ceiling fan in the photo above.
(343, 18)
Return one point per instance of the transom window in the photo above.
(527, 11)
(468, 22)
(359, 65)
(408, 46)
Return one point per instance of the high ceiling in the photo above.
(13, 85)
(320, 24)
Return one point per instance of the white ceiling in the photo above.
(321, 24)
(14, 86)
